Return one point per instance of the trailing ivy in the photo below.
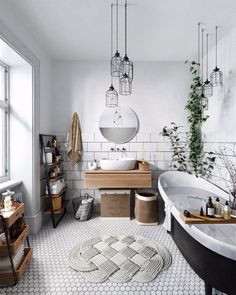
(198, 162)
(196, 117)
(178, 146)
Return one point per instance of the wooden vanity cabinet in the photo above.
(118, 179)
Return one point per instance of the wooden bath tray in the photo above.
(196, 218)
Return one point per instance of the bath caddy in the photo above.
(196, 218)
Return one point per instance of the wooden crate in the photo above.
(115, 204)
(12, 216)
(7, 277)
(15, 244)
(56, 203)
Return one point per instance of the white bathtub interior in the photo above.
(182, 191)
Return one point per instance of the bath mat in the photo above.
(119, 259)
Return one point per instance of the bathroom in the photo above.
(71, 63)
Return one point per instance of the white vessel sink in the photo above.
(118, 164)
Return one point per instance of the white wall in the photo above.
(159, 94)
(11, 18)
(21, 130)
(15, 31)
(219, 130)
(160, 91)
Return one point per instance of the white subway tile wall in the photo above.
(143, 145)
(151, 146)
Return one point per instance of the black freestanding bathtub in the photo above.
(210, 249)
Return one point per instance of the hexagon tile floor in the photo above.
(49, 272)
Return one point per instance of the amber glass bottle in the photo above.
(210, 209)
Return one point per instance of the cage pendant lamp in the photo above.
(216, 76)
(126, 66)
(207, 87)
(116, 59)
(111, 99)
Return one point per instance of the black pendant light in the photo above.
(126, 66)
(111, 93)
(207, 87)
(216, 75)
(116, 59)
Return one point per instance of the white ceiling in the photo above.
(157, 29)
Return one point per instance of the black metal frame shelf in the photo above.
(57, 214)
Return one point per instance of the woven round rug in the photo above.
(119, 259)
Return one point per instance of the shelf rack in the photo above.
(10, 278)
(56, 214)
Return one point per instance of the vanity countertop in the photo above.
(118, 179)
(133, 171)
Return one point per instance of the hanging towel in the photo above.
(167, 221)
(75, 141)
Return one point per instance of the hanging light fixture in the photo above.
(207, 87)
(116, 59)
(111, 93)
(203, 97)
(126, 66)
(216, 76)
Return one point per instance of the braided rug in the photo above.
(119, 259)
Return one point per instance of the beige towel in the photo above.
(75, 141)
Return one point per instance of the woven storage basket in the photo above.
(83, 207)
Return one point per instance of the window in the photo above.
(4, 122)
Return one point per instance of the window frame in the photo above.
(5, 105)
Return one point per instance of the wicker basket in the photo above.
(83, 207)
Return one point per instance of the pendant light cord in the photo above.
(207, 57)
(111, 38)
(125, 27)
(117, 25)
(202, 55)
(216, 46)
(198, 53)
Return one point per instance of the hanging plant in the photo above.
(196, 117)
(196, 160)
(178, 146)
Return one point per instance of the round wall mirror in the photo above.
(118, 124)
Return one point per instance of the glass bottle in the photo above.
(226, 212)
(210, 210)
(218, 208)
(233, 204)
